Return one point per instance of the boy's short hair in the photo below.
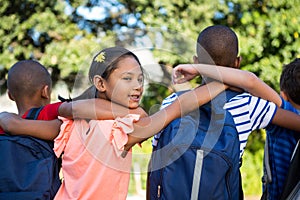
(26, 77)
(290, 80)
(217, 45)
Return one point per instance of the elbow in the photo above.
(250, 81)
(66, 110)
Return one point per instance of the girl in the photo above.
(92, 165)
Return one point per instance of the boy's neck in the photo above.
(24, 106)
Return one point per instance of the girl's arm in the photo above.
(185, 103)
(96, 109)
(15, 125)
(231, 76)
(48, 130)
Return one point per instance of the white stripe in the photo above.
(197, 174)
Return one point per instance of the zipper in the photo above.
(158, 191)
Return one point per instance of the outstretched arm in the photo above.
(48, 130)
(243, 79)
(231, 76)
(96, 109)
(15, 125)
(185, 103)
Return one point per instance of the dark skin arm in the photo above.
(286, 119)
(46, 130)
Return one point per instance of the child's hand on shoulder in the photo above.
(183, 73)
(7, 119)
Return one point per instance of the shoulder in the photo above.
(246, 100)
(288, 106)
(50, 111)
(253, 110)
(168, 100)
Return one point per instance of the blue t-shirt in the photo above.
(281, 144)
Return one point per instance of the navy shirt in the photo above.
(281, 144)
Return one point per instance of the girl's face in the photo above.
(125, 84)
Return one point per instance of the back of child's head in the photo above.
(290, 81)
(217, 45)
(26, 77)
(103, 64)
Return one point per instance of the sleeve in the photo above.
(61, 140)
(121, 127)
(1, 130)
(250, 113)
(286, 106)
(168, 100)
(50, 111)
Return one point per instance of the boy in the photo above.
(215, 47)
(281, 141)
(29, 85)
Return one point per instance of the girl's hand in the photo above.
(183, 73)
(7, 120)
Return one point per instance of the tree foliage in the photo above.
(64, 34)
(56, 33)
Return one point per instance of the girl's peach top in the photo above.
(92, 166)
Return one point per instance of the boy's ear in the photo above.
(238, 61)
(45, 93)
(10, 96)
(284, 95)
(196, 61)
(99, 83)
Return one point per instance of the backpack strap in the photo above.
(291, 189)
(267, 177)
(34, 113)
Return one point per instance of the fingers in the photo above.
(178, 75)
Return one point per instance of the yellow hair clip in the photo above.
(101, 57)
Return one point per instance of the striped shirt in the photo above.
(249, 113)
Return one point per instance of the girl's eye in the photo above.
(140, 80)
(127, 78)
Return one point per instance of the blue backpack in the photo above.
(29, 167)
(197, 156)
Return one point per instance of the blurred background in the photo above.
(65, 34)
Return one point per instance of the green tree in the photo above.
(64, 35)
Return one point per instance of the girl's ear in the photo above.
(99, 83)
(45, 93)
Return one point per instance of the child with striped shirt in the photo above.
(251, 112)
